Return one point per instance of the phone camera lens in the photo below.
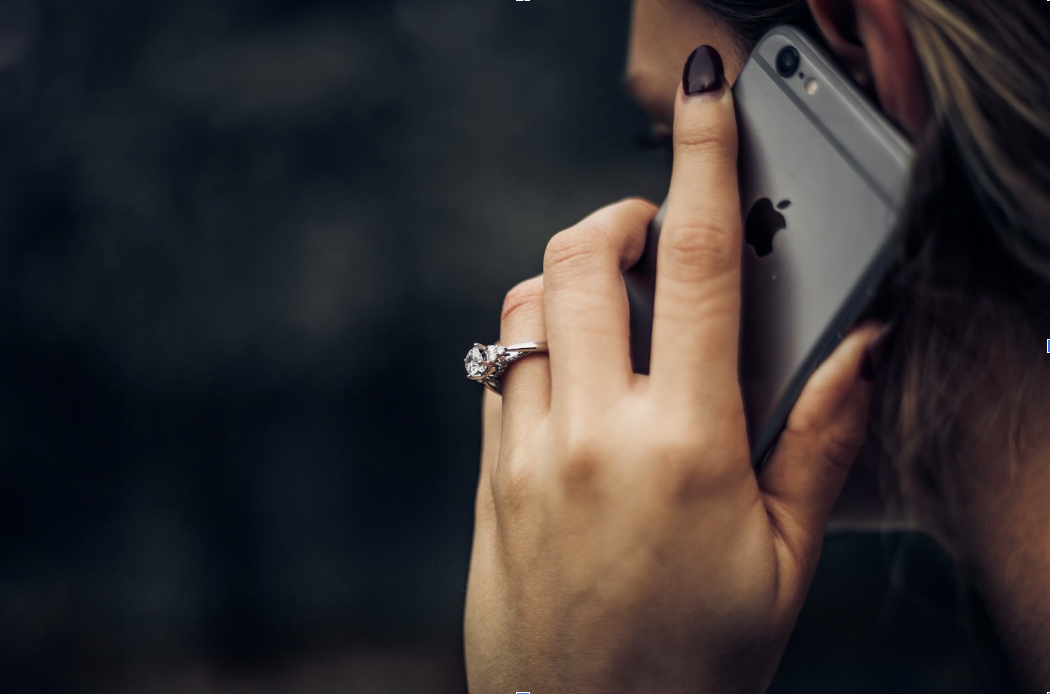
(787, 61)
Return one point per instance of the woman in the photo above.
(622, 541)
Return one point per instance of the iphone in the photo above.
(822, 179)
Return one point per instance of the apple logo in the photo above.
(763, 221)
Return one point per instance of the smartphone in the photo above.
(822, 179)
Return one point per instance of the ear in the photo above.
(873, 43)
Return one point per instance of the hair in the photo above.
(750, 19)
(970, 295)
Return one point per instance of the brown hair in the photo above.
(750, 19)
(971, 298)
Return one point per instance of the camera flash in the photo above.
(811, 86)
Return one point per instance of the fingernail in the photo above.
(703, 71)
(876, 353)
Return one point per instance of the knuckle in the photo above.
(802, 424)
(641, 204)
(838, 445)
(705, 138)
(579, 474)
(685, 478)
(526, 296)
(580, 461)
(680, 451)
(841, 445)
(702, 247)
(572, 250)
(512, 487)
(696, 468)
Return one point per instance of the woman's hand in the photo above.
(622, 541)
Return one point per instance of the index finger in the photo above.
(696, 316)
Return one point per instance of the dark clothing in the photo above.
(888, 613)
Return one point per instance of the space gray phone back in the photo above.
(828, 168)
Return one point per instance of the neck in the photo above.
(996, 522)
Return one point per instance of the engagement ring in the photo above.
(486, 363)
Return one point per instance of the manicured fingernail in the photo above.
(876, 353)
(703, 72)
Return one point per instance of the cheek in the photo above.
(653, 70)
(665, 32)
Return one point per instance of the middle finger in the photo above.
(586, 301)
(696, 316)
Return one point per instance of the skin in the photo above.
(622, 541)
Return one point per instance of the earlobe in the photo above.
(872, 42)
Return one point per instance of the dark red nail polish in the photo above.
(703, 71)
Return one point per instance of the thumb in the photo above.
(823, 435)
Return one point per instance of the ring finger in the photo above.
(586, 301)
(526, 382)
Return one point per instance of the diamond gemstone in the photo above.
(476, 363)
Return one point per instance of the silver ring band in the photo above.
(487, 363)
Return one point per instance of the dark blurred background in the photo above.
(244, 246)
